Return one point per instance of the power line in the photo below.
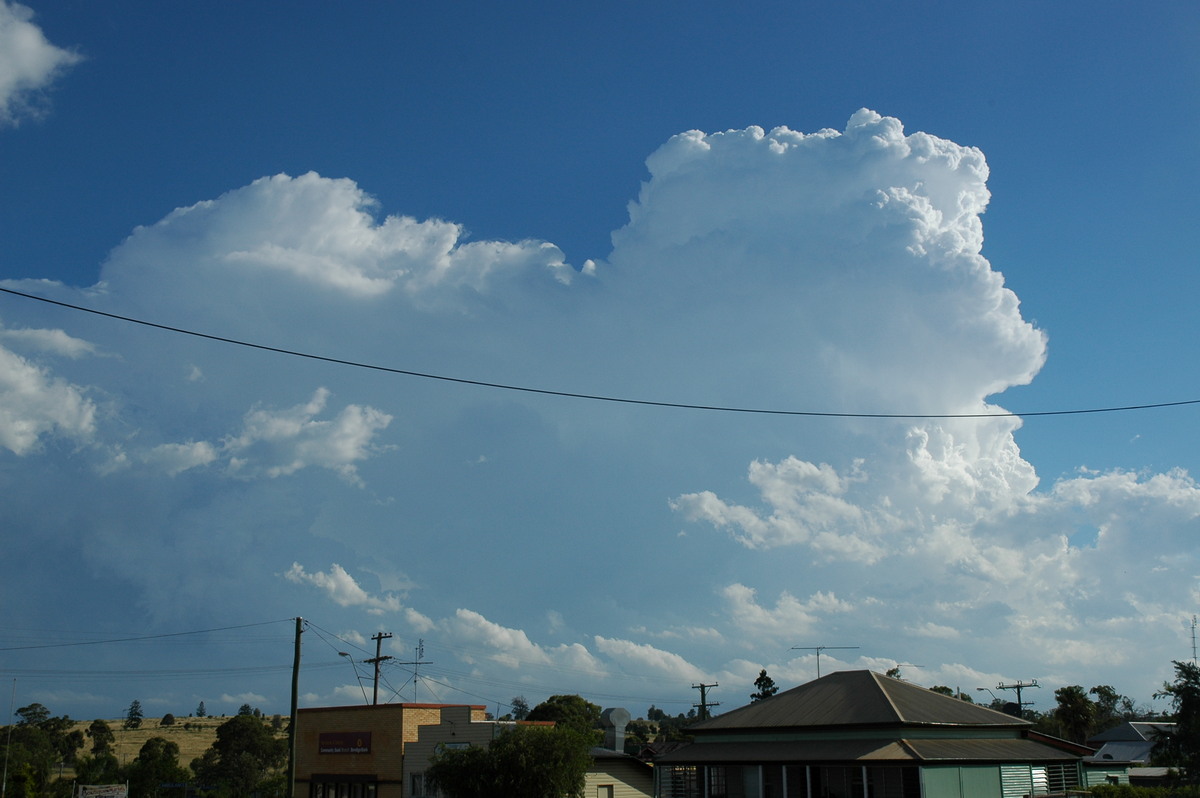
(142, 637)
(591, 397)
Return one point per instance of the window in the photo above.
(420, 787)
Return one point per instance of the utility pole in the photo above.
(1017, 685)
(704, 702)
(378, 638)
(819, 649)
(291, 775)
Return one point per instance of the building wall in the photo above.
(458, 727)
(980, 781)
(392, 728)
(628, 779)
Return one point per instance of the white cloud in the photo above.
(342, 589)
(789, 618)
(278, 443)
(512, 648)
(174, 458)
(55, 342)
(28, 64)
(35, 404)
(316, 233)
(641, 657)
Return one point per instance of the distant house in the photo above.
(1123, 754)
(614, 773)
(854, 734)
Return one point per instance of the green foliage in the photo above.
(520, 708)
(1075, 713)
(1130, 791)
(243, 759)
(102, 737)
(33, 715)
(98, 769)
(157, 763)
(570, 712)
(766, 687)
(133, 719)
(34, 747)
(201, 712)
(1181, 748)
(526, 761)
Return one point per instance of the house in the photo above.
(854, 734)
(1123, 754)
(614, 773)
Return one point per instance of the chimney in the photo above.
(614, 722)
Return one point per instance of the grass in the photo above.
(192, 741)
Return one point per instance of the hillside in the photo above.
(192, 741)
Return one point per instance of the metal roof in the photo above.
(1131, 731)
(877, 751)
(856, 699)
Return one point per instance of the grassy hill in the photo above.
(193, 740)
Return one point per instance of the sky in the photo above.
(457, 322)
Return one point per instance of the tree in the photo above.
(944, 690)
(1180, 748)
(246, 709)
(766, 687)
(34, 746)
(201, 712)
(102, 737)
(157, 763)
(133, 719)
(572, 712)
(167, 720)
(245, 755)
(1075, 712)
(520, 708)
(526, 761)
(33, 715)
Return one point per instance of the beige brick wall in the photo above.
(394, 728)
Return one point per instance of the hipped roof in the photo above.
(856, 699)
(865, 751)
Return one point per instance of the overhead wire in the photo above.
(586, 396)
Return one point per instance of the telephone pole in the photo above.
(378, 658)
(1017, 685)
(704, 702)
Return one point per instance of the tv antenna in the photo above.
(819, 649)
(1193, 639)
(417, 663)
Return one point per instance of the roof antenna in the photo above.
(819, 649)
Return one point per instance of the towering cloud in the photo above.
(837, 272)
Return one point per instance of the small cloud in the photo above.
(28, 64)
(342, 589)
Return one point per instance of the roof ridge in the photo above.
(886, 695)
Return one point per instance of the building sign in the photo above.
(102, 791)
(344, 743)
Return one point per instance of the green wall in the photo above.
(961, 782)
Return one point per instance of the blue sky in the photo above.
(675, 202)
